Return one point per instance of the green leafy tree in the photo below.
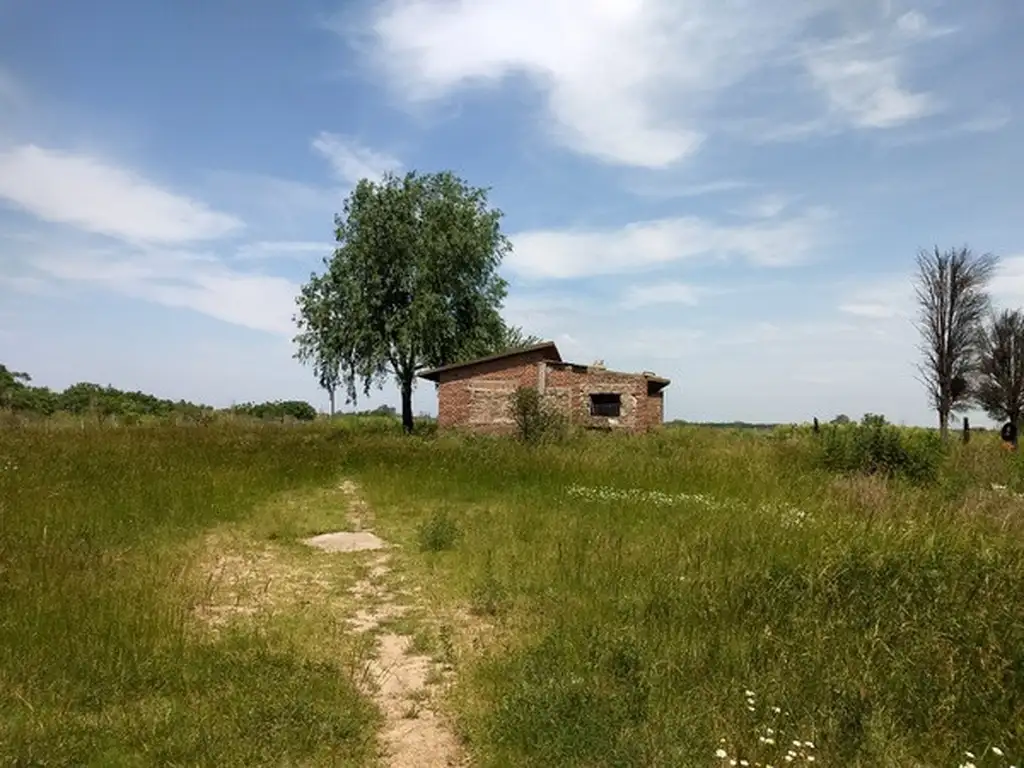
(317, 326)
(412, 283)
(1000, 389)
(11, 382)
(514, 337)
(953, 301)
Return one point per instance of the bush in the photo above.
(536, 419)
(438, 533)
(874, 447)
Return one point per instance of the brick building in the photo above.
(476, 395)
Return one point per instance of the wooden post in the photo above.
(967, 431)
(816, 427)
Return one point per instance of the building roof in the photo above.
(551, 355)
(434, 374)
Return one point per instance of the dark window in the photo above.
(605, 404)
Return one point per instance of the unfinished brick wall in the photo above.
(478, 397)
(573, 385)
(655, 409)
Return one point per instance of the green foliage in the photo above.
(632, 588)
(103, 660)
(873, 420)
(11, 382)
(315, 341)
(278, 410)
(875, 447)
(513, 337)
(488, 596)
(438, 533)
(85, 399)
(536, 418)
(412, 284)
(88, 399)
(629, 616)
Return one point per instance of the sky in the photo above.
(730, 193)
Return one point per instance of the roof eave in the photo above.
(434, 374)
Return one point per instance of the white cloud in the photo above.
(989, 123)
(658, 186)
(630, 81)
(878, 311)
(296, 250)
(1008, 284)
(194, 281)
(912, 23)
(767, 207)
(95, 196)
(352, 160)
(888, 298)
(641, 245)
(771, 361)
(862, 81)
(662, 293)
(915, 24)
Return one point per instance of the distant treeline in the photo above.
(85, 398)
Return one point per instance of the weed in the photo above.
(876, 447)
(439, 532)
(536, 419)
(488, 596)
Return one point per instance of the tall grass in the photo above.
(647, 583)
(100, 660)
(646, 600)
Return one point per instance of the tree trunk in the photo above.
(944, 423)
(407, 405)
(330, 395)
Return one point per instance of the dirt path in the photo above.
(414, 734)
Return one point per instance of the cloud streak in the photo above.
(864, 87)
(637, 83)
(184, 280)
(352, 160)
(98, 197)
(561, 254)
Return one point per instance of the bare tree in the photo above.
(953, 301)
(1001, 374)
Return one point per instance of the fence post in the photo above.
(967, 430)
(816, 428)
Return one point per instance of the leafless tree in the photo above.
(1001, 373)
(952, 297)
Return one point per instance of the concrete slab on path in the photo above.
(346, 541)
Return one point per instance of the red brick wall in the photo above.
(478, 397)
(655, 414)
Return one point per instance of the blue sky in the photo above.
(728, 192)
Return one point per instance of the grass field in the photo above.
(609, 601)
